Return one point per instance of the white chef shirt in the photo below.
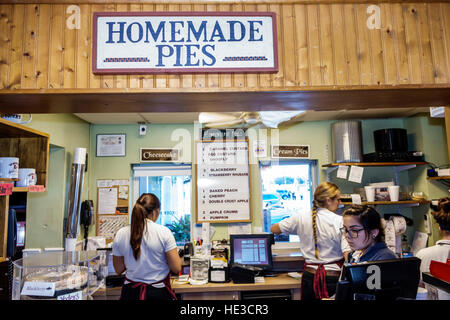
(439, 252)
(331, 241)
(151, 265)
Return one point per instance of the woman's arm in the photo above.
(275, 228)
(174, 260)
(119, 264)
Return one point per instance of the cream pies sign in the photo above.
(184, 42)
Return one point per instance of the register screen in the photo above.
(251, 251)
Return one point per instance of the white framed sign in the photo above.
(184, 42)
(223, 181)
(111, 145)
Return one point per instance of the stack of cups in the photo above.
(370, 193)
(394, 192)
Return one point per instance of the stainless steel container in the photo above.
(74, 201)
(346, 141)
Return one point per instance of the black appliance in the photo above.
(409, 156)
(391, 140)
(244, 274)
(391, 145)
(86, 218)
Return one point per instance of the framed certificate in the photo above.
(111, 145)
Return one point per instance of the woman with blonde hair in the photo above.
(147, 252)
(322, 243)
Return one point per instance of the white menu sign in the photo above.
(223, 185)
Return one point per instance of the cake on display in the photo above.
(61, 281)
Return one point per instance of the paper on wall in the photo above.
(107, 183)
(356, 174)
(257, 229)
(104, 183)
(342, 172)
(109, 225)
(207, 232)
(123, 192)
(419, 241)
(259, 148)
(107, 200)
(356, 199)
(239, 228)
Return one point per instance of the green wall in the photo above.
(428, 135)
(46, 211)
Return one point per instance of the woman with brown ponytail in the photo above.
(322, 243)
(147, 252)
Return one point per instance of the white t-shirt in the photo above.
(151, 265)
(439, 252)
(331, 241)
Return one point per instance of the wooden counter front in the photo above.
(219, 291)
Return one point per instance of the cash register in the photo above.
(250, 256)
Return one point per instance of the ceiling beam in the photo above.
(89, 101)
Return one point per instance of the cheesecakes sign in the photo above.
(157, 154)
(223, 182)
(184, 42)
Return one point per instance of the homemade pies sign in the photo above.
(184, 42)
(223, 182)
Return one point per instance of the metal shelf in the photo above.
(374, 164)
(391, 203)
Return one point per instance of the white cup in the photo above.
(393, 192)
(370, 193)
(27, 177)
(9, 167)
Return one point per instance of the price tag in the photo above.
(36, 188)
(6, 189)
(71, 296)
(38, 288)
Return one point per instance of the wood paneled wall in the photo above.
(318, 45)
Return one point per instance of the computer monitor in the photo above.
(379, 280)
(252, 250)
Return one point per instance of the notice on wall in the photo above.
(223, 182)
(109, 225)
(356, 174)
(240, 228)
(112, 196)
(107, 200)
(112, 206)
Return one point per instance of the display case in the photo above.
(59, 275)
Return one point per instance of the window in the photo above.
(287, 188)
(172, 184)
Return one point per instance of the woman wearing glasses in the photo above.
(321, 242)
(365, 235)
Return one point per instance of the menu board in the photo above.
(223, 181)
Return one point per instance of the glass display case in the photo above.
(59, 275)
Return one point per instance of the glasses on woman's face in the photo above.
(352, 233)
